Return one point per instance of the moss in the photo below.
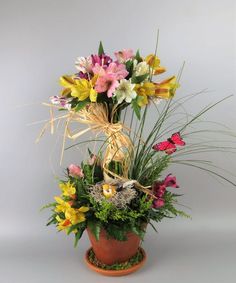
(117, 266)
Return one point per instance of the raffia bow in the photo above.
(119, 146)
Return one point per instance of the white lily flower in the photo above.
(125, 91)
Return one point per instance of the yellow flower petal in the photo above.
(142, 100)
(81, 218)
(83, 209)
(58, 200)
(68, 189)
(166, 89)
(93, 95)
(66, 81)
(153, 61)
(159, 70)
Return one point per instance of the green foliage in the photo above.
(139, 79)
(52, 219)
(52, 204)
(79, 232)
(95, 227)
(168, 210)
(138, 57)
(92, 173)
(106, 211)
(81, 105)
(152, 171)
(88, 173)
(129, 67)
(118, 230)
(100, 49)
(118, 222)
(136, 108)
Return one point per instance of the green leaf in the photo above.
(52, 221)
(100, 49)
(138, 57)
(78, 235)
(139, 79)
(153, 227)
(53, 204)
(90, 153)
(129, 66)
(81, 105)
(95, 228)
(138, 231)
(88, 172)
(72, 228)
(136, 108)
(116, 232)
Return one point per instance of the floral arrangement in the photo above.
(122, 186)
(127, 80)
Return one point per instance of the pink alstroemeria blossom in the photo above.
(119, 70)
(108, 77)
(124, 55)
(82, 75)
(107, 83)
(99, 70)
(102, 60)
(75, 171)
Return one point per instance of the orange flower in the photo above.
(166, 89)
(154, 62)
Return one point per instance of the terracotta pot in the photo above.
(110, 251)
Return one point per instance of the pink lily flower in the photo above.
(102, 60)
(107, 83)
(108, 77)
(119, 70)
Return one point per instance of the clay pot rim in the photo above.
(121, 272)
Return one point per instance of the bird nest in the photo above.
(118, 193)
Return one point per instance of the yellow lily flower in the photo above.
(72, 217)
(154, 62)
(62, 223)
(68, 189)
(166, 89)
(76, 215)
(62, 205)
(66, 82)
(143, 91)
(80, 88)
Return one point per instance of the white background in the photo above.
(39, 42)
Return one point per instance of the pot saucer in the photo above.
(120, 272)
